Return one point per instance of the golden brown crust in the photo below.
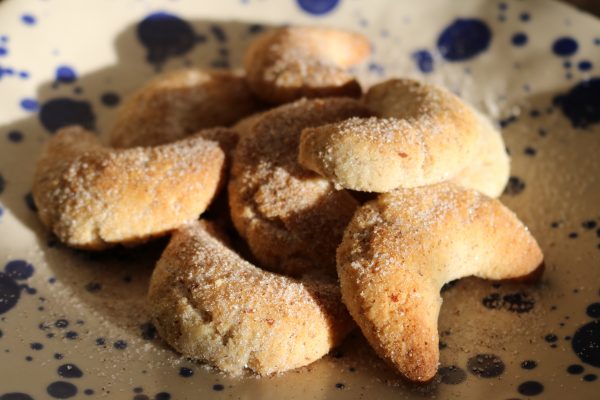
(93, 197)
(179, 103)
(400, 249)
(424, 134)
(489, 170)
(291, 218)
(289, 63)
(209, 303)
(246, 124)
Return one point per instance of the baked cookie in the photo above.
(289, 63)
(209, 303)
(93, 197)
(423, 135)
(489, 170)
(400, 249)
(292, 219)
(177, 104)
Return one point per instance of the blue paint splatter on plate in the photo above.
(65, 74)
(586, 340)
(581, 104)
(464, 39)
(584, 65)
(166, 35)
(218, 33)
(61, 390)
(519, 39)
(69, 371)
(10, 289)
(60, 112)
(6, 71)
(376, 69)
(110, 99)
(424, 60)
(28, 19)
(565, 46)
(19, 269)
(16, 396)
(29, 104)
(318, 7)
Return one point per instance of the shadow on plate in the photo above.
(113, 283)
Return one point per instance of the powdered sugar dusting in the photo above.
(92, 196)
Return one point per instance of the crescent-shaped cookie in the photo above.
(94, 197)
(209, 303)
(400, 249)
(423, 135)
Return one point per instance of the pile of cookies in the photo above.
(356, 208)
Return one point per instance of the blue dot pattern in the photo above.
(318, 7)
(65, 74)
(166, 35)
(519, 39)
(464, 39)
(29, 104)
(167, 41)
(424, 60)
(565, 46)
(28, 19)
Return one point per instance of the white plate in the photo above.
(66, 61)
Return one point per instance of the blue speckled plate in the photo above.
(74, 325)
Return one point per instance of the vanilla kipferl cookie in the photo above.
(289, 63)
(489, 170)
(400, 249)
(93, 197)
(423, 135)
(209, 303)
(179, 103)
(291, 218)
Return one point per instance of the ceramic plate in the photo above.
(75, 325)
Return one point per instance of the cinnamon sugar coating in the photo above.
(400, 249)
(93, 197)
(179, 103)
(423, 135)
(209, 303)
(292, 218)
(289, 63)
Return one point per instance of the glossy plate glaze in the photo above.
(75, 324)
